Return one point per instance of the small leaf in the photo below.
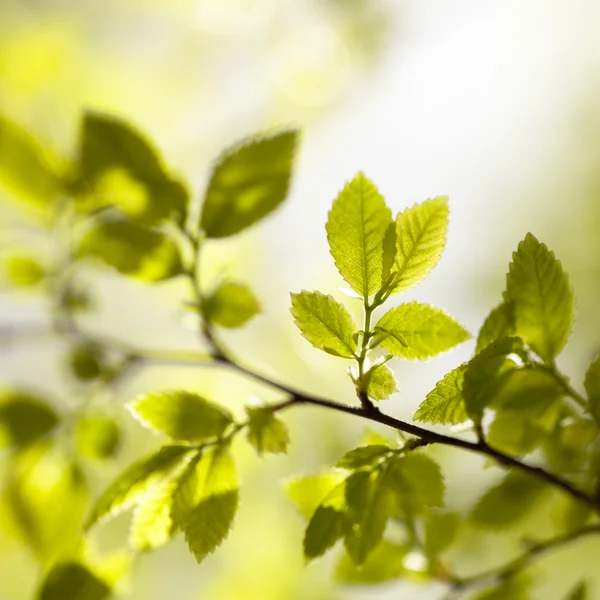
(86, 361)
(231, 305)
(509, 501)
(356, 228)
(440, 531)
(72, 581)
(133, 250)
(23, 271)
(385, 563)
(248, 182)
(136, 481)
(419, 331)
(309, 491)
(325, 323)
(592, 387)
(418, 478)
(499, 324)
(97, 436)
(381, 383)
(445, 405)
(542, 296)
(363, 456)
(420, 241)
(266, 432)
(513, 588)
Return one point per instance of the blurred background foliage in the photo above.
(493, 103)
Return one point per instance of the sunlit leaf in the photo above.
(516, 432)
(381, 383)
(309, 491)
(384, 563)
(72, 581)
(266, 432)
(356, 228)
(23, 271)
(97, 436)
(248, 183)
(230, 305)
(325, 323)
(418, 478)
(499, 324)
(363, 456)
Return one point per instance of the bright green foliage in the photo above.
(419, 331)
(509, 501)
(542, 296)
(420, 241)
(230, 305)
(499, 324)
(418, 478)
(527, 388)
(248, 182)
(445, 404)
(592, 387)
(381, 383)
(356, 228)
(183, 416)
(135, 483)
(73, 581)
(325, 323)
(385, 563)
(97, 436)
(86, 361)
(23, 271)
(205, 501)
(24, 418)
(133, 250)
(309, 491)
(517, 432)
(123, 169)
(266, 432)
(440, 531)
(27, 173)
(363, 456)
(579, 592)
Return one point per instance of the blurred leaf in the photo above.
(418, 478)
(97, 436)
(86, 361)
(381, 383)
(266, 432)
(499, 324)
(440, 531)
(363, 456)
(516, 432)
(309, 491)
(23, 271)
(325, 323)
(419, 331)
(515, 588)
(26, 172)
(136, 481)
(248, 183)
(445, 405)
(231, 305)
(542, 296)
(183, 416)
(579, 592)
(206, 501)
(592, 387)
(509, 501)
(420, 241)
(356, 228)
(133, 250)
(124, 170)
(73, 581)
(24, 418)
(386, 562)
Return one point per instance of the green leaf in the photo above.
(24, 418)
(183, 416)
(440, 531)
(514, 588)
(356, 229)
(516, 432)
(206, 501)
(418, 478)
(123, 169)
(363, 456)
(579, 592)
(325, 323)
(509, 501)
(384, 563)
(592, 387)
(419, 331)
(137, 481)
(499, 324)
(97, 436)
(248, 182)
(445, 405)
(72, 581)
(266, 432)
(27, 172)
(86, 361)
(23, 271)
(543, 298)
(133, 250)
(309, 491)
(420, 241)
(381, 383)
(230, 305)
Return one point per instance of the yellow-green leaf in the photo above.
(500, 323)
(230, 305)
(445, 405)
(97, 436)
(592, 387)
(309, 491)
(384, 563)
(73, 581)
(418, 479)
(266, 432)
(381, 383)
(363, 456)
(23, 271)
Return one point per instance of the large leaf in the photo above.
(266, 432)
(133, 250)
(183, 416)
(420, 241)
(356, 228)
(230, 305)
(248, 183)
(592, 387)
(72, 581)
(419, 331)
(325, 323)
(445, 404)
(500, 323)
(542, 296)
